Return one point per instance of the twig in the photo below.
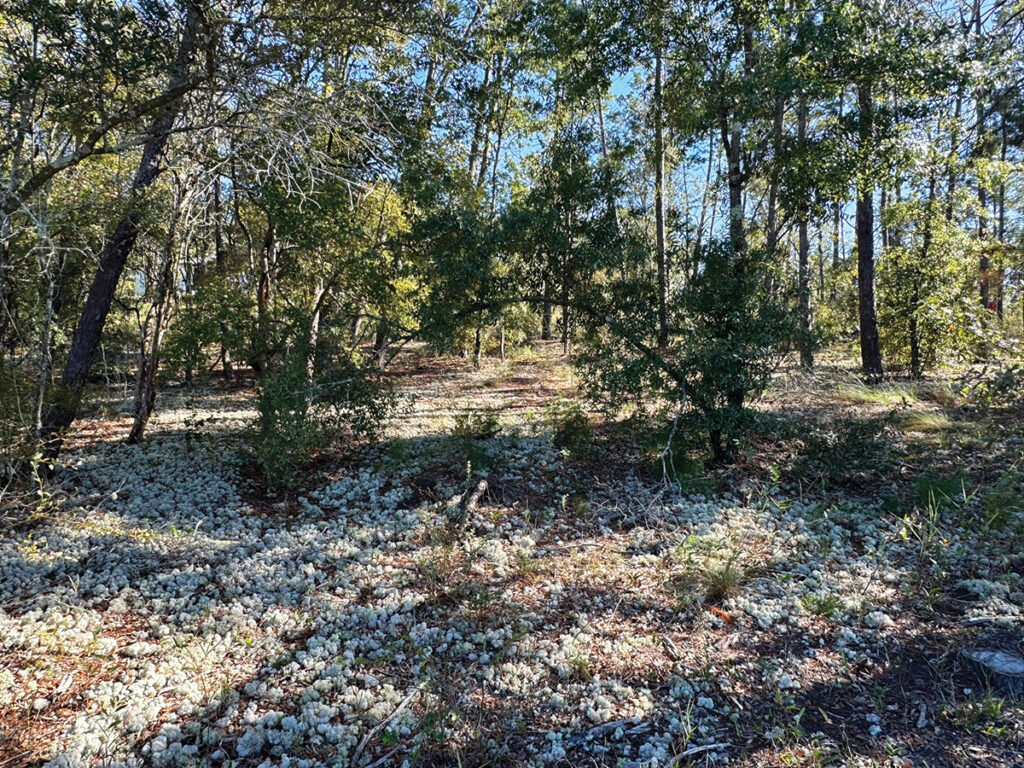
(696, 751)
(987, 620)
(382, 724)
(382, 760)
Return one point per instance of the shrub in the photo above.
(728, 334)
(996, 389)
(848, 446)
(569, 425)
(481, 425)
(1005, 500)
(302, 416)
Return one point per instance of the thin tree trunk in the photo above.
(613, 209)
(380, 343)
(804, 254)
(772, 233)
(51, 266)
(705, 197)
(546, 310)
(870, 348)
(314, 327)
(731, 140)
(821, 268)
(883, 205)
(263, 289)
(954, 146)
(979, 150)
(1001, 216)
(916, 363)
(659, 196)
(149, 364)
(220, 262)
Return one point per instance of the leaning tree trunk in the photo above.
(118, 246)
(870, 348)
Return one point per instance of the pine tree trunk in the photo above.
(804, 265)
(659, 196)
(546, 311)
(870, 348)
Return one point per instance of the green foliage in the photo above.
(214, 315)
(301, 417)
(1004, 501)
(941, 492)
(731, 331)
(1002, 387)
(479, 425)
(822, 605)
(15, 422)
(728, 335)
(569, 424)
(846, 448)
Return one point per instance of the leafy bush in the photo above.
(1005, 500)
(214, 315)
(481, 425)
(728, 333)
(301, 416)
(15, 427)
(846, 447)
(569, 425)
(995, 389)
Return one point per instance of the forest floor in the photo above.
(807, 606)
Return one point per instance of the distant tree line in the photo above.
(679, 193)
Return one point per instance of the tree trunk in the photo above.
(380, 343)
(916, 363)
(565, 327)
(659, 196)
(545, 321)
(772, 232)
(263, 285)
(116, 249)
(954, 146)
(101, 294)
(219, 260)
(804, 265)
(1001, 218)
(613, 209)
(870, 348)
(821, 268)
(149, 365)
(732, 137)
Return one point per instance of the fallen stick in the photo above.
(696, 751)
(383, 724)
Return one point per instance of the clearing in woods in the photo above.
(165, 610)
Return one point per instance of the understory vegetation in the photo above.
(511, 382)
(507, 576)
